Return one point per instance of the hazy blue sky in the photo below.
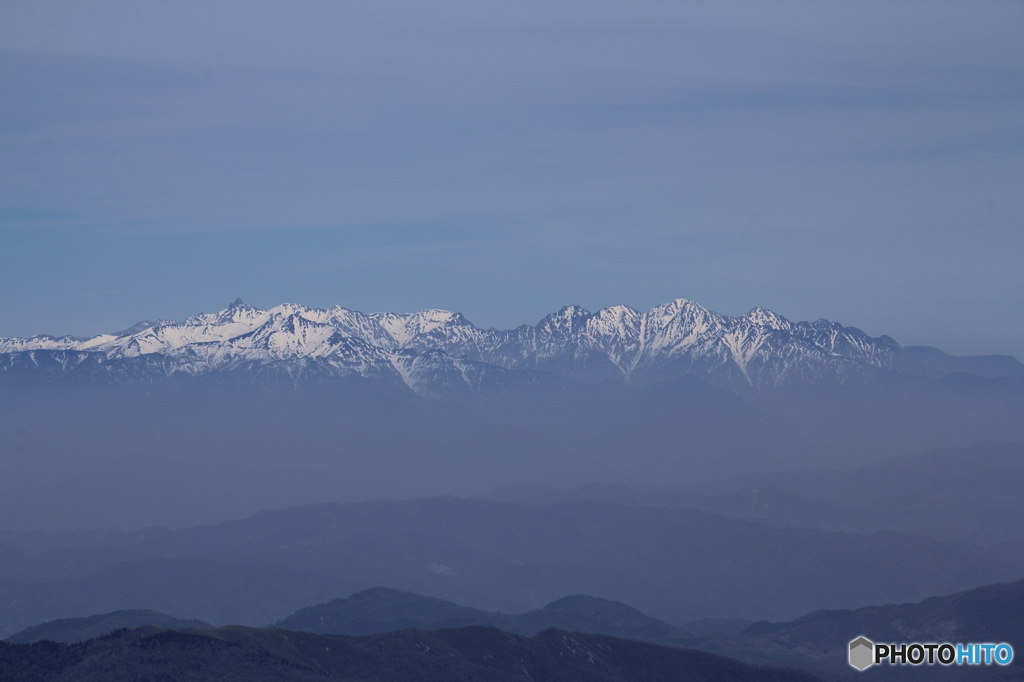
(859, 161)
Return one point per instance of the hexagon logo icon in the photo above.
(862, 653)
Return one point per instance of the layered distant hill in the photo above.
(818, 641)
(967, 495)
(381, 609)
(677, 565)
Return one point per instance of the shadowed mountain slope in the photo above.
(73, 630)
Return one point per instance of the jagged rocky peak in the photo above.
(616, 319)
(685, 313)
(403, 327)
(766, 318)
(567, 320)
(680, 326)
(238, 311)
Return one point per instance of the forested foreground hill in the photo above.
(468, 654)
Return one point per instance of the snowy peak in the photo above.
(765, 318)
(756, 350)
(566, 322)
(403, 328)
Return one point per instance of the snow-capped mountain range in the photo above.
(758, 350)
